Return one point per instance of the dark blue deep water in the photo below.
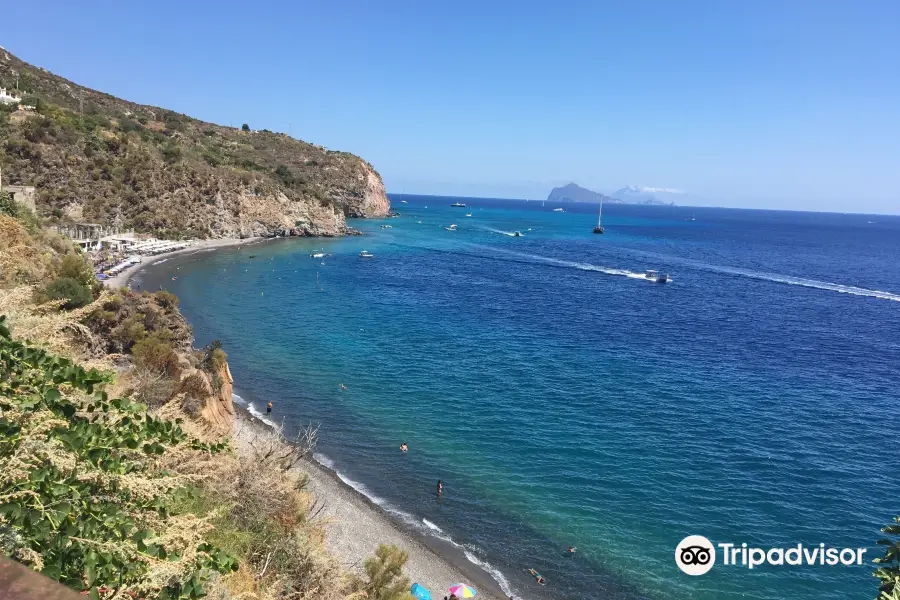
(563, 399)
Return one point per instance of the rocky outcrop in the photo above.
(99, 158)
(218, 412)
(374, 202)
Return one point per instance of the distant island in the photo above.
(629, 195)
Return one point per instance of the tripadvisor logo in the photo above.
(696, 555)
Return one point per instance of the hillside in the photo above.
(97, 158)
(575, 193)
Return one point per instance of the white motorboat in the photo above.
(559, 210)
(451, 228)
(317, 255)
(657, 277)
(366, 254)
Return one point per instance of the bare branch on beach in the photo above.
(271, 447)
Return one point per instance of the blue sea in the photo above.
(563, 399)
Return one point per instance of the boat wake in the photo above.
(810, 283)
(776, 278)
(556, 262)
(501, 232)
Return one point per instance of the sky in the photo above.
(790, 104)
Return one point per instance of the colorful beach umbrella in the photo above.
(461, 590)
(419, 592)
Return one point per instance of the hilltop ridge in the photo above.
(95, 157)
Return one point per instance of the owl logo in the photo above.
(695, 555)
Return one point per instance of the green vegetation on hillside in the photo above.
(85, 497)
(97, 158)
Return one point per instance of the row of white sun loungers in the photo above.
(158, 247)
(146, 248)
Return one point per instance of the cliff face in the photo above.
(95, 157)
(218, 410)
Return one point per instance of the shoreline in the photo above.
(357, 524)
(122, 279)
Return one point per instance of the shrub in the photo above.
(8, 206)
(284, 174)
(166, 299)
(71, 290)
(152, 389)
(195, 390)
(171, 153)
(245, 127)
(129, 332)
(155, 355)
(74, 266)
(385, 573)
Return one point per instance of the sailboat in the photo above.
(599, 227)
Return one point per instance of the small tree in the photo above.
(8, 206)
(245, 127)
(73, 266)
(889, 571)
(72, 291)
(385, 573)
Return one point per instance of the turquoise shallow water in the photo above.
(565, 400)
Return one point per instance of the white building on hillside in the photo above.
(9, 97)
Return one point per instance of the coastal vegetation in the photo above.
(94, 157)
(112, 480)
(888, 573)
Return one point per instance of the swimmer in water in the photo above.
(537, 576)
(571, 549)
(403, 447)
(440, 487)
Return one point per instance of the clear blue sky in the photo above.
(783, 104)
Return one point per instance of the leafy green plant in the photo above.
(71, 290)
(67, 505)
(889, 571)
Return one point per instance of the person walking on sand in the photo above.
(268, 409)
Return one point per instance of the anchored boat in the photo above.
(599, 227)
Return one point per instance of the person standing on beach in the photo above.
(268, 409)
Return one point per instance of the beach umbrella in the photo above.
(461, 590)
(419, 592)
